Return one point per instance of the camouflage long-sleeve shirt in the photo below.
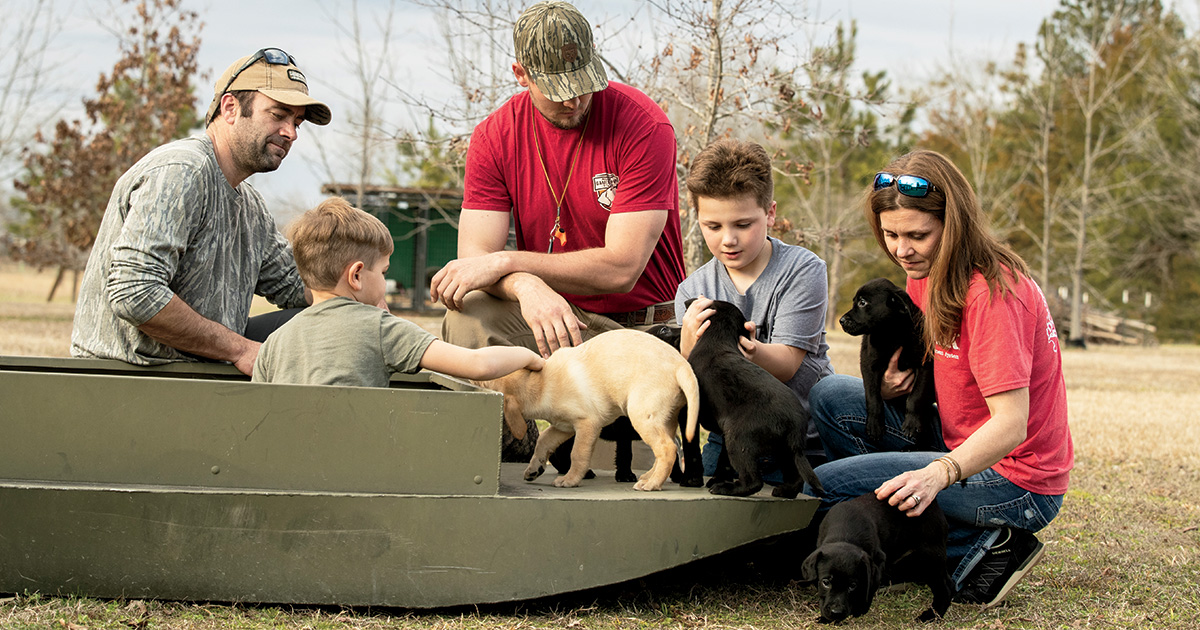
(174, 226)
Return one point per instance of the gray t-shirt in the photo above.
(341, 342)
(786, 302)
(174, 226)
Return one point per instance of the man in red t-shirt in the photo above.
(585, 171)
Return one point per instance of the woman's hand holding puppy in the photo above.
(897, 382)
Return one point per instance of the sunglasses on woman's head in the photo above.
(907, 185)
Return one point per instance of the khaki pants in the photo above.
(489, 321)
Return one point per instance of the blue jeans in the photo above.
(857, 466)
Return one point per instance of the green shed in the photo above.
(424, 226)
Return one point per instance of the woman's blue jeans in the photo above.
(975, 512)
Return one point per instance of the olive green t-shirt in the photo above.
(342, 342)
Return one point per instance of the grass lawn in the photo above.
(1124, 552)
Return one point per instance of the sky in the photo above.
(909, 42)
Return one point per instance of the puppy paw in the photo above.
(731, 489)
(929, 616)
(911, 426)
(689, 481)
(723, 488)
(625, 476)
(590, 475)
(566, 482)
(532, 473)
(875, 430)
(647, 486)
(785, 492)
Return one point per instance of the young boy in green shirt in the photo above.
(347, 336)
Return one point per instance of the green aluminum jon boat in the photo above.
(188, 482)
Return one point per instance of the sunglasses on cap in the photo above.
(907, 185)
(273, 56)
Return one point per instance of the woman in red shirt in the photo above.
(1007, 448)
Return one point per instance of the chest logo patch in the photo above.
(605, 187)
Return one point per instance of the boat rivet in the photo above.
(478, 479)
(216, 470)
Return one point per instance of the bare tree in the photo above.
(714, 75)
(146, 101)
(831, 135)
(369, 59)
(1043, 102)
(1158, 245)
(1113, 55)
(26, 34)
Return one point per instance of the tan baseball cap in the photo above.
(553, 43)
(274, 73)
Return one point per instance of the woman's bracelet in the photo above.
(949, 471)
(953, 470)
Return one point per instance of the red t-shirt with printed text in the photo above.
(1006, 342)
(626, 163)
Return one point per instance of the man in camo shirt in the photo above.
(186, 242)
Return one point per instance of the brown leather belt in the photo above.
(653, 314)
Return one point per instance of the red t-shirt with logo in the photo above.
(626, 163)
(1005, 343)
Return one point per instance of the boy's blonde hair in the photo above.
(332, 236)
(730, 168)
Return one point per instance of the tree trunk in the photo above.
(693, 242)
(835, 279)
(1076, 335)
(58, 277)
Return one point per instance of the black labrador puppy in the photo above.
(887, 319)
(756, 413)
(622, 434)
(864, 542)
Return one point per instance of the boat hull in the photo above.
(142, 484)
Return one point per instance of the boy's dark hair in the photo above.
(731, 168)
(332, 236)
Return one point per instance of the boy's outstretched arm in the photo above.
(483, 364)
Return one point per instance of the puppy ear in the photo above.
(809, 569)
(878, 562)
(906, 303)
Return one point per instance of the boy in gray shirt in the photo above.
(781, 289)
(348, 337)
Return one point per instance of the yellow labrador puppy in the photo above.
(582, 389)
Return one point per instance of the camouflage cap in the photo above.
(553, 42)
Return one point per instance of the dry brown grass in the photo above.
(34, 327)
(1124, 552)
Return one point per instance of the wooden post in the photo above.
(420, 255)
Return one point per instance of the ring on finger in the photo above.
(916, 499)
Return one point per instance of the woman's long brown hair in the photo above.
(966, 244)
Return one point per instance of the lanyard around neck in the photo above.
(558, 232)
